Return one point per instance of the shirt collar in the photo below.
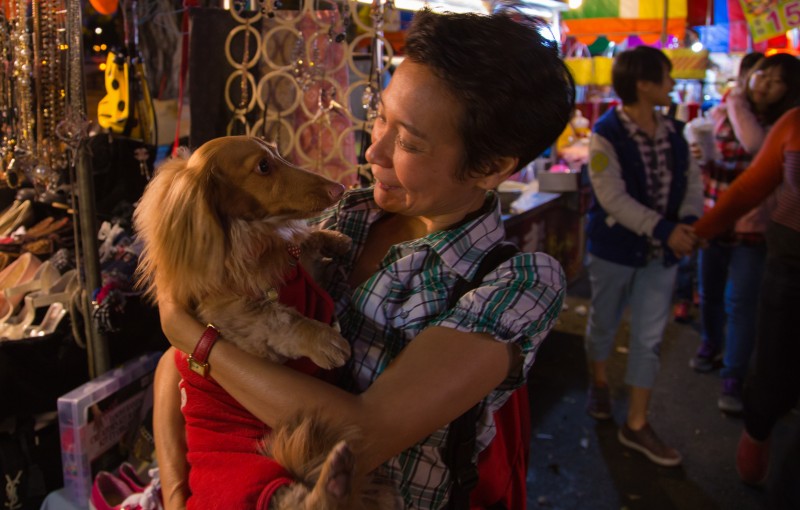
(461, 248)
(663, 128)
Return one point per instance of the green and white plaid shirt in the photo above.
(517, 303)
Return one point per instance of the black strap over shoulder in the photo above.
(462, 435)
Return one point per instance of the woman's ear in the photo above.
(503, 167)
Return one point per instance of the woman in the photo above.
(476, 99)
(730, 268)
(774, 387)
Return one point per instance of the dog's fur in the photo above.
(215, 228)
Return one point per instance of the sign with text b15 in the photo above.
(770, 18)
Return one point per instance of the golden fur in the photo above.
(215, 227)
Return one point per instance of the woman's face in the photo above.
(766, 87)
(417, 149)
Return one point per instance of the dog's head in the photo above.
(245, 178)
(190, 212)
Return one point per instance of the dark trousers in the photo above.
(774, 385)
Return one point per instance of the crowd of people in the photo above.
(658, 199)
(475, 100)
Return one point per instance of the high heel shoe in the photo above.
(52, 318)
(21, 270)
(61, 292)
(45, 276)
(19, 213)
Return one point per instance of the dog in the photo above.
(220, 229)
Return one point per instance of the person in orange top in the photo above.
(774, 385)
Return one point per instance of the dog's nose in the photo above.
(335, 191)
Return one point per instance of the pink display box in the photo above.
(97, 421)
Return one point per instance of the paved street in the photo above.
(578, 463)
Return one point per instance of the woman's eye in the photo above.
(263, 167)
(405, 145)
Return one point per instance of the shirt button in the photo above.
(404, 314)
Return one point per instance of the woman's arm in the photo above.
(437, 377)
(744, 123)
(756, 183)
(170, 437)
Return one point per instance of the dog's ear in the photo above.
(184, 242)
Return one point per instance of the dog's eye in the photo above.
(264, 166)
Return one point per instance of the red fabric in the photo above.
(696, 12)
(503, 465)
(225, 469)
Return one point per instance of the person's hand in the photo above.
(697, 154)
(179, 326)
(682, 240)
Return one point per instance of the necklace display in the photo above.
(33, 94)
(300, 80)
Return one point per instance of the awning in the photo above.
(618, 19)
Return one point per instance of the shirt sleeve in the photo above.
(754, 185)
(605, 175)
(516, 303)
(692, 205)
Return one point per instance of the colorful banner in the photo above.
(770, 18)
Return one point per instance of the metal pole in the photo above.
(96, 344)
(86, 245)
(664, 24)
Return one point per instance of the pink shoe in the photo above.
(752, 459)
(131, 477)
(108, 492)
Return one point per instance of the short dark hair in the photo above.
(515, 92)
(642, 63)
(790, 74)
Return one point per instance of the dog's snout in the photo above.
(335, 191)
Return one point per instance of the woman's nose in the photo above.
(379, 152)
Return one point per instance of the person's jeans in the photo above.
(649, 291)
(729, 283)
(774, 385)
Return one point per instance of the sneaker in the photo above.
(706, 359)
(598, 402)
(647, 442)
(752, 459)
(108, 492)
(730, 401)
(682, 312)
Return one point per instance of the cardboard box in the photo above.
(96, 421)
(557, 182)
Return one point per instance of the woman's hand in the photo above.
(682, 241)
(697, 154)
(181, 329)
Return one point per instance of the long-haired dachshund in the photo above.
(221, 231)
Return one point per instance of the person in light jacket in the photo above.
(647, 192)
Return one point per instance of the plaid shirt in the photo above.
(658, 164)
(517, 303)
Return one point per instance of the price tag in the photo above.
(770, 18)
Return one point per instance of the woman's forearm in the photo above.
(439, 375)
(745, 126)
(169, 434)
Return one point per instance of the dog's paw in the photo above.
(336, 244)
(327, 243)
(330, 350)
(335, 480)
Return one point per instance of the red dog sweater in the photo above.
(222, 437)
